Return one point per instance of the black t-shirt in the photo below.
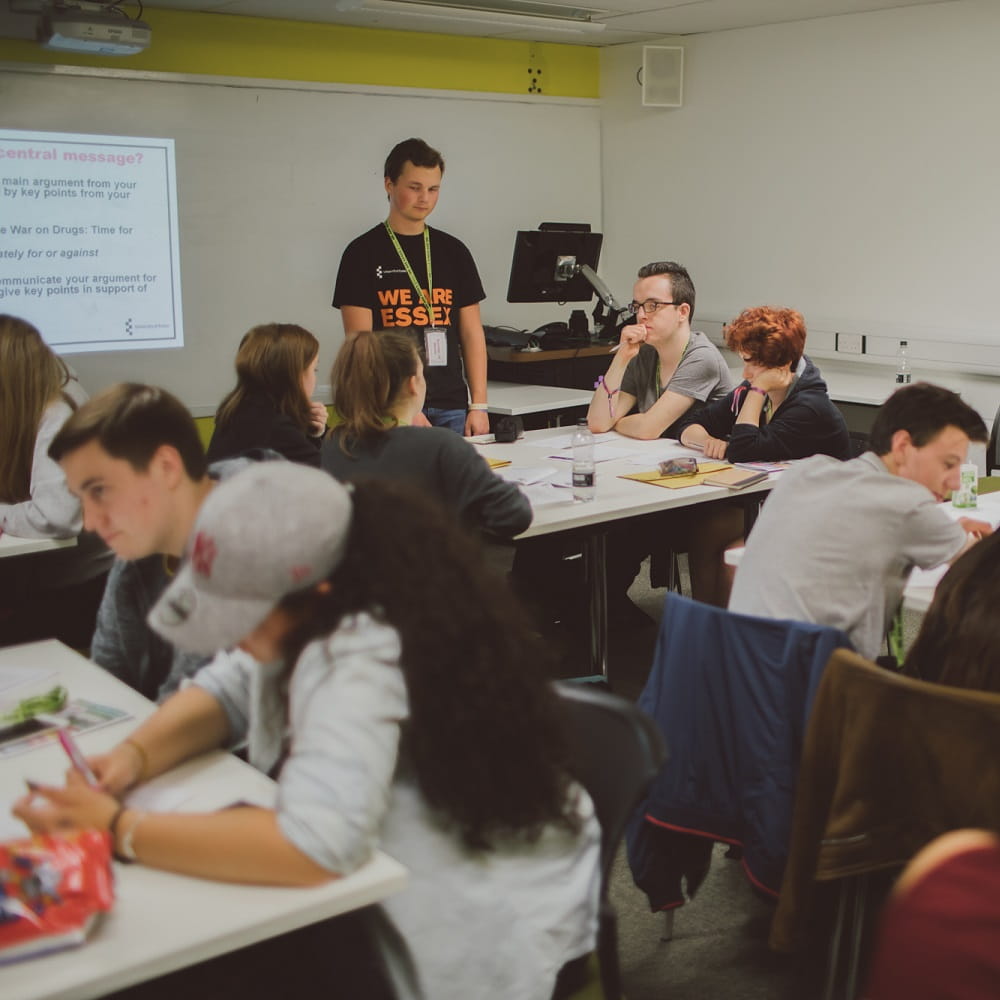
(373, 277)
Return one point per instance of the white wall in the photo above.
(274, 180)
(846, 166)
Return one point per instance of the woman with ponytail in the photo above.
(378, 389)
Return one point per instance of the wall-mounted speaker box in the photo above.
(662, 76)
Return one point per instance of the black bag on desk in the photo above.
(506, 336)
(508, 429)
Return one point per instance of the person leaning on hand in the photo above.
(782, 409)
(663, 371)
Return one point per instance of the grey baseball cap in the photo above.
(261, 534)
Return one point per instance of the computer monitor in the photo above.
(547, 265)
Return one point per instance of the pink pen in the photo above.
(77, 758)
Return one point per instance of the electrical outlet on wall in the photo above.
(850, 343)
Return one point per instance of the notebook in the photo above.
(735, 478)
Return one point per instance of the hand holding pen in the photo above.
(77, 759)
(81, 804)
(632, 337)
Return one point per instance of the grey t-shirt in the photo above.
(702, 375)
(835, 544)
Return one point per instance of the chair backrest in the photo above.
(889, 763)
(615, 752)
(732, 694)
(993, 448)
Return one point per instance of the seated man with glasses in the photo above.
(662, 369)
(781, 409)
(663, 374)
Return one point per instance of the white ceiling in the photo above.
(624, 20)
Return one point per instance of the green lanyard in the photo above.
(687, 347)
(409, 269)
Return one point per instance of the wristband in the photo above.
(754, 388)
(611, 393)
(483, 407)
(113, 830)
(127, 852)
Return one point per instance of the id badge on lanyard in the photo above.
(435, 338)
(436, 346)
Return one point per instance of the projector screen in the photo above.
(88, 240)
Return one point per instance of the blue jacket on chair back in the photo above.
(732, 695)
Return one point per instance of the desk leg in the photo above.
(751, 508)
(597, 582)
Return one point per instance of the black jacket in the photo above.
(806, 423)
(257, 424)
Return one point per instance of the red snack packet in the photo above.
(53, 888)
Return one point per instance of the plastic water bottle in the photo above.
(583, 462)
(967, 494)
(903, 374)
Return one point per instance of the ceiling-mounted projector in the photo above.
(93, 34)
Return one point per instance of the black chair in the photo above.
(615, 752)
(992, 449)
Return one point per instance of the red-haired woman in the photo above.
(781, 409)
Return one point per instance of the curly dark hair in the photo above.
(485, 736)
(958, 637)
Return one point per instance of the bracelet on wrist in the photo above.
(611, 393)
(755, 388)
(482, 407)
(143, 758)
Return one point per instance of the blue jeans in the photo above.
(454, 420)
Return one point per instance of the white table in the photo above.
(615, 500)
(11, 545)
(163, 922)
(513, 400)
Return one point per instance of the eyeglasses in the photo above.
(649, 307)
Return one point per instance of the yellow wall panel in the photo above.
(226, 45)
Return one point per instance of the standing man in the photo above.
(402, 275)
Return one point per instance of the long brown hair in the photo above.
(31, 377)
(271, 360)
(367, 378)
(958, 639)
